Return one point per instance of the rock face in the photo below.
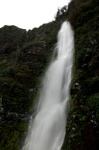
(82, 127)
(23, 59)
(24, 56)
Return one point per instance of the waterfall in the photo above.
(47, 130)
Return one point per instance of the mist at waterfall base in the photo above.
(47, 130)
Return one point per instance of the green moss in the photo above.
(11, 135)
(93, 103)
(82, 123)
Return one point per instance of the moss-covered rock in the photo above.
(82, 126)
(23, 60)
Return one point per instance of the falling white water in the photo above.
(47, 130)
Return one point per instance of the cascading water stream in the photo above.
(47, 130)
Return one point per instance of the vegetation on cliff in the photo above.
(83, 120)
(23, 59)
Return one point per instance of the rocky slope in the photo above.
(23, 59)
(83, 120)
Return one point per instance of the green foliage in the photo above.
(94, 104)
(61, 13)
(12, 36)
(23, 59)
(14, 96)
(91, 84)
(82, 126)
(11, 135)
